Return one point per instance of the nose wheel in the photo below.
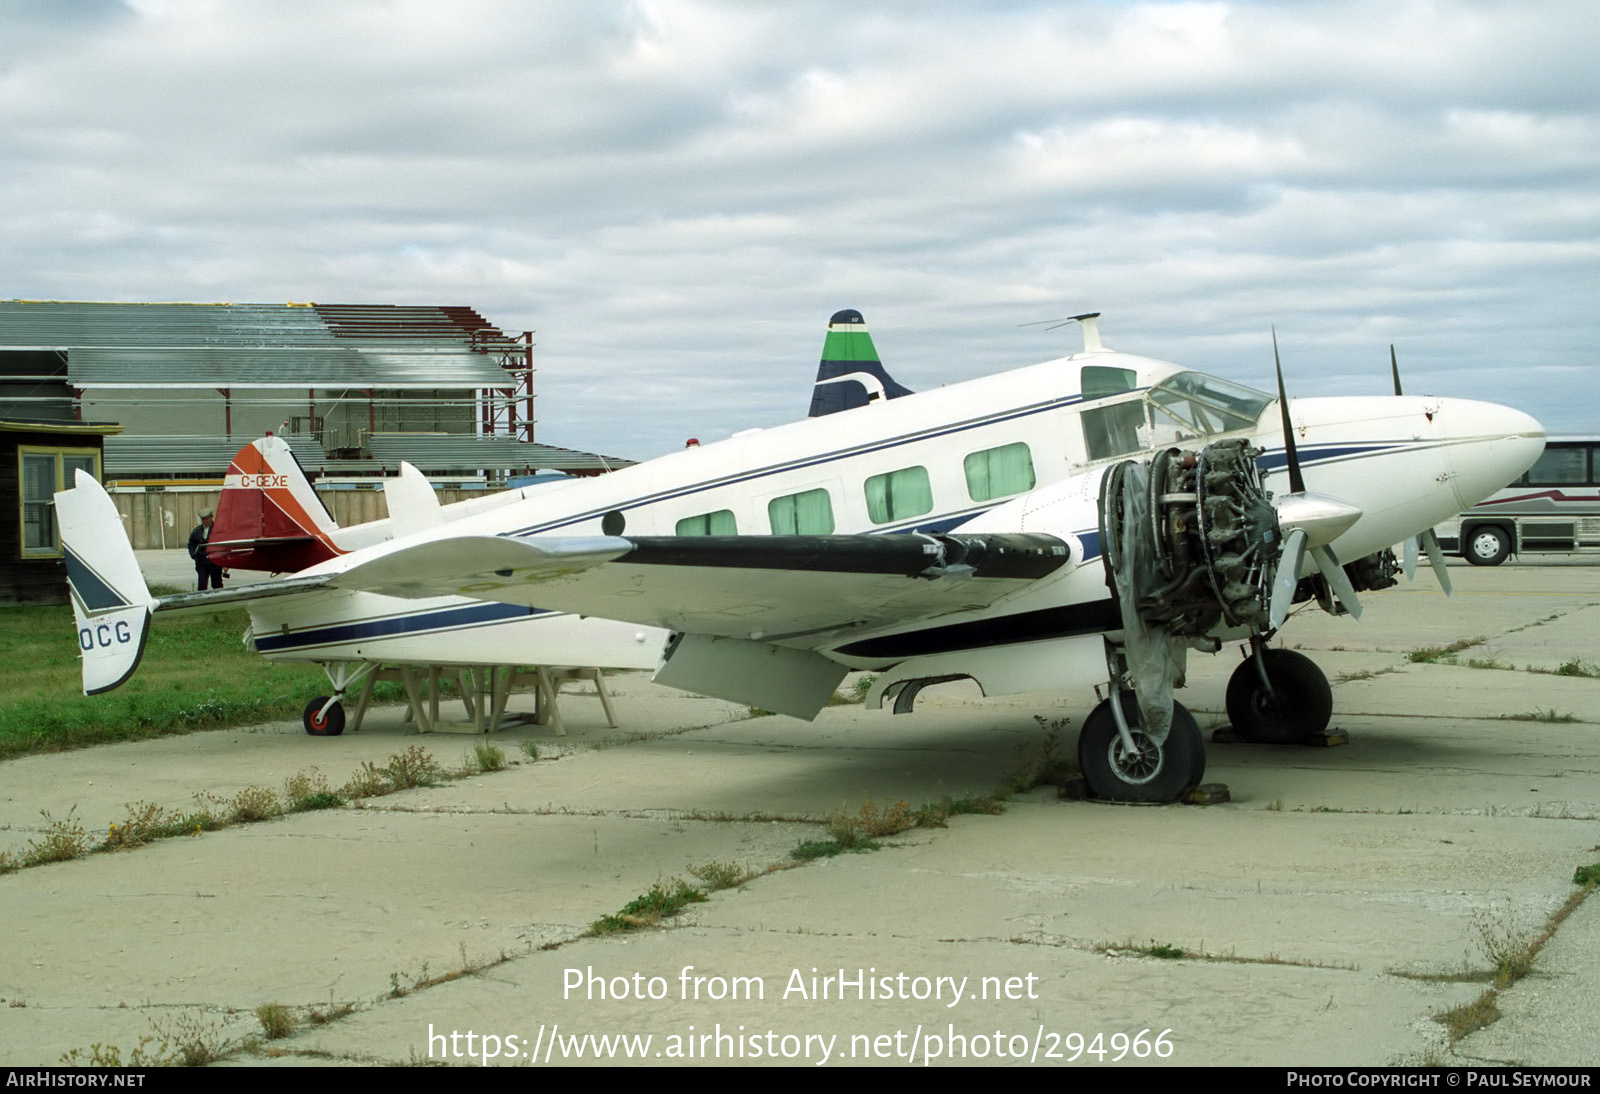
(1148, 771)
(1279, 697)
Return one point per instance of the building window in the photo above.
(42, 472)
(996, 472)
(806, 514)
(899, 494)
(720, 523)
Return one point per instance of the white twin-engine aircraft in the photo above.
(1082, 521)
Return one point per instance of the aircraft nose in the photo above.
(1496, 444)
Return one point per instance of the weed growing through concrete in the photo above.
(254, 803)
(1576, 667)
(1428, 655)
(720, 875)
(309, 790)
(487, 757)
(276, 1021)
(1509, 952)
(661, 901)
(144, 822)
(194, 1040)
(530, 748)
(103, 1055)
(1538, 716)
(368, 781)
(1045, 763)
(413, 768)
(62, 840)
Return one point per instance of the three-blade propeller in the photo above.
(1310, 522)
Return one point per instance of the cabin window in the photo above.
(720, 523)
(809, 513)
(996, 472)
(899, 494)
(44, 471)
(1113, 430)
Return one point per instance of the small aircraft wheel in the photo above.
(320, 724)
(1300, 706)
(1488, 546)
(1151, 772)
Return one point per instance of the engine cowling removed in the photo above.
(1191, 539)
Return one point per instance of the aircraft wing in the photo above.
(790, 590)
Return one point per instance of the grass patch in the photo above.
(1575, 667)
(649, 908)
(530, 748)
(195, 675)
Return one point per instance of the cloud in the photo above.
(677, 193)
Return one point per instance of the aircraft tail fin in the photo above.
(850, 374)
(110, 601)
(413, 506)
(269, 518)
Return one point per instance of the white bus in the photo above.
(1553, 509)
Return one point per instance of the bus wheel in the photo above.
(1488, 546)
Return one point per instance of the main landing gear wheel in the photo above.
(1151, 772)
(320, 723)
(1488, 546)
(1299, 705)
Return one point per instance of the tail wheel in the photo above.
(323, 723)
(1149, 772)
(1299, 705)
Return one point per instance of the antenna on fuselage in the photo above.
(1091, 329)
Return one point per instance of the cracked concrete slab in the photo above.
(1302, 909)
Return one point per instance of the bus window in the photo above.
(899, 494)
(996, 472)
(720, 523)
(1557, 466)
(809, 513)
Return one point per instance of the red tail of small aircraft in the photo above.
(269, 517)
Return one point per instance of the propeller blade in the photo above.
(1294, 551)
(1408, 561)
(1334, 573)
(1297, 484)
(1394, 367)
(1430, 543)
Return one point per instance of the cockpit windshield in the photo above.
(1201, 405)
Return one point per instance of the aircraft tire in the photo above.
(1487, 545)
(1159, 773)
(1301, 705)
(317, 724)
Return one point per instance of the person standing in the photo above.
(207, 572)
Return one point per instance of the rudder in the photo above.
(850, 374)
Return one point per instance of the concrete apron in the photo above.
(1297, 903)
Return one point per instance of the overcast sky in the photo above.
(675, 194)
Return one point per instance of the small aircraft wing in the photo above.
(791, 590)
